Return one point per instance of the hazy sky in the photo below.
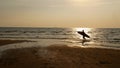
(60, 13)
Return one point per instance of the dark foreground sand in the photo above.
(60, 57)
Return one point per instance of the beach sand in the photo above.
(60, 57)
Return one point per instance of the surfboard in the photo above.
(84, 34)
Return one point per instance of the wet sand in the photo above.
(5, 42)
(60, 57)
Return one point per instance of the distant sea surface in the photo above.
(100, 37)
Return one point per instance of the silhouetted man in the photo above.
(83, 34)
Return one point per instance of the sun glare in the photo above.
(82, 2)
(85, 29)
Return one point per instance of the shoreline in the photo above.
(7, 41)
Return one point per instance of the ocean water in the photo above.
(99, 37)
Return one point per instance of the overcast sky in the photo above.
(60, 13)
